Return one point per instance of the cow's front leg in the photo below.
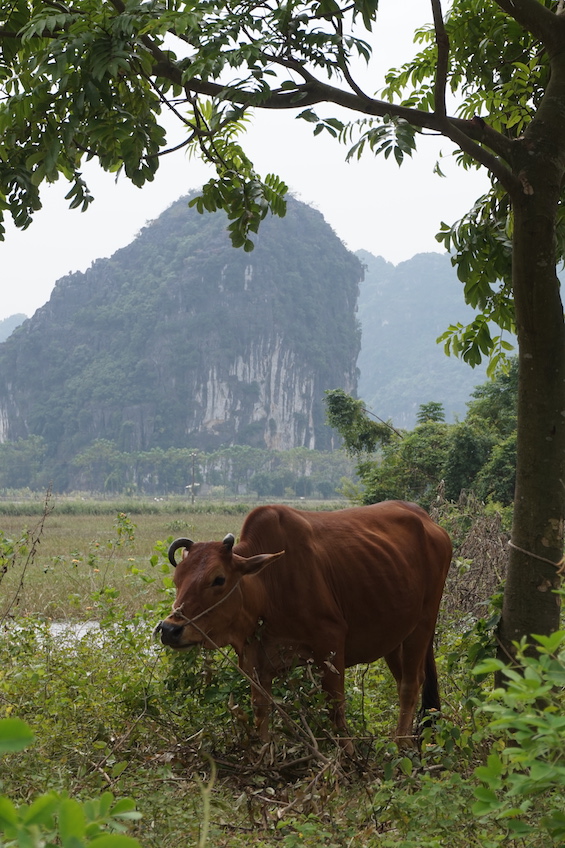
(261, 688)
(261, 701)
(333, 684)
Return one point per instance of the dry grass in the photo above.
(80, 555)
(480, 558)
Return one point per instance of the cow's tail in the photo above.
(431, 704)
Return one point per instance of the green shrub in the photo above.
(55, 818)
(523, 782)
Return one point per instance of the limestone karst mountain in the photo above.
(180, 340)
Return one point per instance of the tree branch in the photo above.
(472, 137)
(461, 135)
(534, 17)
(442, 41)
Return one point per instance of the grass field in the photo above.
(79, 554)
(114, 712)
(87, 546)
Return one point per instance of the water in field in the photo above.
(72, 630)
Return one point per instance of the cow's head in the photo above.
(209, 604)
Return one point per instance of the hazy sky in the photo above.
(373, 204)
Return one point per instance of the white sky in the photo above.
(372, 204)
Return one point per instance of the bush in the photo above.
(497, 479)
(56, 816)
(523, 782)
(516, 795)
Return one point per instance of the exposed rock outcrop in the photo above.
(180, 340)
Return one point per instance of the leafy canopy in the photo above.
(94, 79)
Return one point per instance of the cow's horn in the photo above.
(174, 546)
(228, 541)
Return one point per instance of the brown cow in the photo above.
(338, 588)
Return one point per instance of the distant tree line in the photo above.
(126, 350)
(240, 469)
(476, 455)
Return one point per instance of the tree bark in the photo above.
(530, 605)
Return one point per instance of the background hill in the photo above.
(402, 311)
(180, 340)
(8, 325)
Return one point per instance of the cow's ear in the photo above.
(254, 564)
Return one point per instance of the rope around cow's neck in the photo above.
(177, 611)
(254, 682)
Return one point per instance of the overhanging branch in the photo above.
(474, 137)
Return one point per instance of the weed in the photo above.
(115, 715)
(55, 816)
(523, 781)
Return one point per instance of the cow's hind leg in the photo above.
(394, 662)
(408, 665)
(403, 734)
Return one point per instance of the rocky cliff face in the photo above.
(268, 390)
(180, 340)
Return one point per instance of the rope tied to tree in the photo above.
(560, 566)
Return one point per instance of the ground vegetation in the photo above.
(158, 748)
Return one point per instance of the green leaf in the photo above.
(492, 772)
(105, 803)
(406, 766)
(15, 735)
(72, 821)
(555, 824)
(519, 828)
(125, 808)
(487, 802)
(114, 840)
(119, 768)
(487, 796)
(309, 115)
(8, 813)
(551, 644)
(489, 666)
(41, 811)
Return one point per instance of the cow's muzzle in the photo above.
(169, 633)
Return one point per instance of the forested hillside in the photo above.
(8, 325)
(180, 340)
(402, 310)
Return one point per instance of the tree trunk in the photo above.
(530, 605)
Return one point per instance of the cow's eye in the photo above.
(218, 581)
